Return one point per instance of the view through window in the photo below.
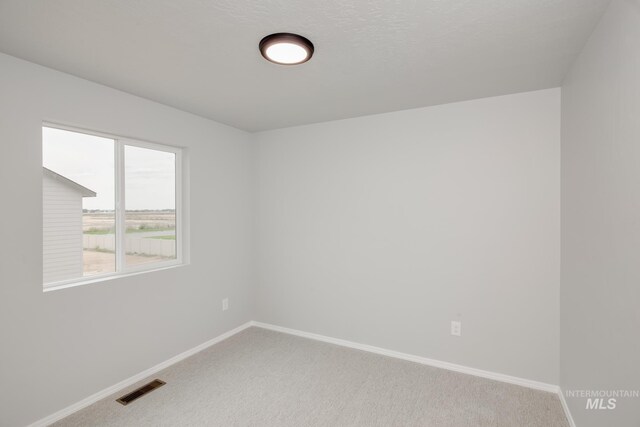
(109, 205)
(151, 205)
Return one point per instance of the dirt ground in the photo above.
(104, 262)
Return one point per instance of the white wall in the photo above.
(600, 332)
(380, 230)
(60, 347)
(61, 231)
(383, 229)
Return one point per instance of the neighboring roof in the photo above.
(84, 191)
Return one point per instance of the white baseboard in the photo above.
(567, 412)
(344, 343)
(134, 379)
(418, 359)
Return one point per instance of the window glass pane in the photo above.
(150, 203)
(78, 186)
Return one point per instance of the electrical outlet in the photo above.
(225, 304)
(456, 328)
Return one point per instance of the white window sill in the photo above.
(110, 276)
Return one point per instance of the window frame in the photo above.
(121, 269)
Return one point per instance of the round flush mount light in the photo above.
(286, 48)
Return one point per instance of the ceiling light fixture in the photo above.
(286, 48)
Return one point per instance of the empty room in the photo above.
(320, 213)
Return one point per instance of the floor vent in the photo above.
(139, 392)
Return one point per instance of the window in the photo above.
(110, 206)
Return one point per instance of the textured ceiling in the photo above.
(371, 56)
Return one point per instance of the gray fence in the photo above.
(134, 244)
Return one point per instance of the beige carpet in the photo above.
(264, 378)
